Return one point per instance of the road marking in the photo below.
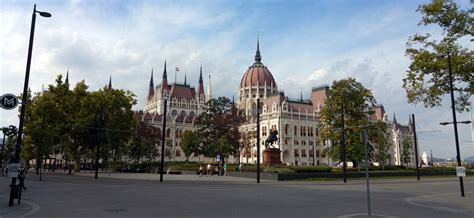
(411, 200)
(364, 214)
(34, 207)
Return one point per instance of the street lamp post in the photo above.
(453, 109)
(258, 140)
(16, 159)
(163, 140)
(415, 142)
(343, 144)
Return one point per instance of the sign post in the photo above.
(13, 170)
(461, 171)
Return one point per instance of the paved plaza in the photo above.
(142, 195)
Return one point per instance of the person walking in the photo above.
(21, 178)
(209, 167)
(225, 169)
(200, 170)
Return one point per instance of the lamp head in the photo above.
(444, 123)
(44, 14)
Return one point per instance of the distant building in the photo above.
(296, 120)
(183, 105)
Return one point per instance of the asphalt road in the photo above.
(80, 196)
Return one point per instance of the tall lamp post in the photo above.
(16, 159)
(455, 123)
(258, 140)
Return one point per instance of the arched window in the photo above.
(183, 114)
(168, 132)
(295, 130)
(192, 114)
(174, 113)
(286, 129)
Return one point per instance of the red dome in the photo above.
(257, 73)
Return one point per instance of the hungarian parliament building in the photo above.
(296, 120)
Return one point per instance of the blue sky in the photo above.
(303, 43)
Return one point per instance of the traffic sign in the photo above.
(461, 171)
(13, 169)
(8, 101)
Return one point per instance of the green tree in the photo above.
(189, 143)
(427, 78)
(246, 145)
(406, 150)
(356, 99)
(220, 119)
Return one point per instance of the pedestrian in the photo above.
(240, 167)
(225, 169)
(21, 178)
(216, 170)
(209, 169)
(200, 170)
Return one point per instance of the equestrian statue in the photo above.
(272, 138)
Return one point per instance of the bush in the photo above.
(277, 169)
(311, 169)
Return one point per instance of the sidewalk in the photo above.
(166, 177)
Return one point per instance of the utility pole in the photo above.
(365, 141)
(415, 141)
(258, 140)
(163, 142)
(455, 124)
(343, 144)
(101, 117)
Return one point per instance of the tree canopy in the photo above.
(427, 78)
(59, 119)
(356, 100)
(218, 128)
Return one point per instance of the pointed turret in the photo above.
(394, 119)
(110, 83)
(200, 89)
(209, 92)
(151, 88)
(301, 95)
(66, 81)
(258, 58)
(164, 80)
(184, 78)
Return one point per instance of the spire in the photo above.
(233, 102)
(301, 95)
(394, 119)
(184, 78)
(66, 81)
(164, 80)
(165, 76)
(200, 90)
(209, 93)
(110, 83)
(151, 89)
(258, 58)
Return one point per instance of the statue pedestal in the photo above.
(271, 156)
